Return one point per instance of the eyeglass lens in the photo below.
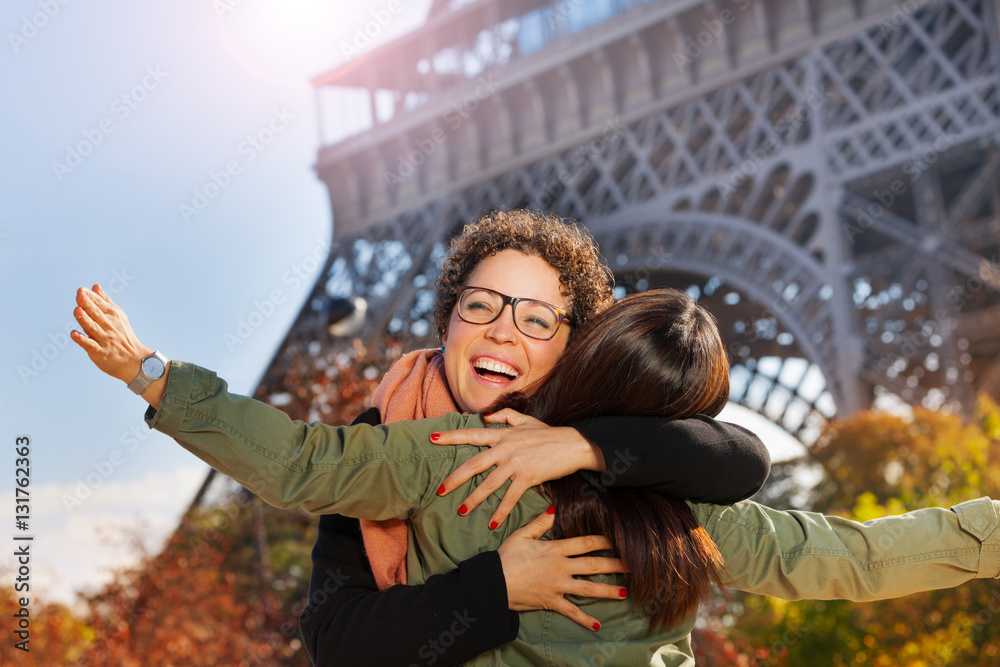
(533, 318)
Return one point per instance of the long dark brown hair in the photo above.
(660, 354)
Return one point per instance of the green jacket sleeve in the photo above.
(804, 555)
(374, 472)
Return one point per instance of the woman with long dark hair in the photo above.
(654, 354)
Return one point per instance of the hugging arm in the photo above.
(348, 619)
(349, 622)
(698, 459)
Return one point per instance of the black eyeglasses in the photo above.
(534, 318)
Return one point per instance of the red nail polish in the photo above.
(435, 437)
(622, 592)
(493, 525)
(597, 626)
(551, 509)
(463, 510)
(441, 490)
(489, 415)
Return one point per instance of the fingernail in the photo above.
(441, 490)
(493, 525)
(596, 626)
(435, 437)
(623, 592)
(551, 509)
(489, 415)
(463, 510)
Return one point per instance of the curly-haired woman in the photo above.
(536, 259)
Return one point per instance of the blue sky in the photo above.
(165, 151)
(114, 116)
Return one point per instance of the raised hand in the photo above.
(108, 339)
(528, 454)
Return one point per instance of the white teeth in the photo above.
(495, 367)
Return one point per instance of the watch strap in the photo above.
(142, 381)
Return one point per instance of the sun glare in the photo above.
(292, 42)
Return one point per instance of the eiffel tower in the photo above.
(822, 174)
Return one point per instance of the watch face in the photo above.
(153, 368)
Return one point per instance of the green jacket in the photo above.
(394, 471)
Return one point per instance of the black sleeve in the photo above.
(698, 459)
(449, 620)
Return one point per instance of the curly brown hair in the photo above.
(586, 281)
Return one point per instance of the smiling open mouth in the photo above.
(494, 371)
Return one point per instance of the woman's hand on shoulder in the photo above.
(541, 573)
(528, 453)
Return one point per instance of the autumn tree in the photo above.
(875, 465)
(181, 606)
(55, 636)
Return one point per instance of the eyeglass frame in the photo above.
(512, 301)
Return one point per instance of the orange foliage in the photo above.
(874, 465)
(180, 608)
(55, 635)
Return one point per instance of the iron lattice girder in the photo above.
(749, 173)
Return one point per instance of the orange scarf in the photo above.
(414, 388)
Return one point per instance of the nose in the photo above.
(503, 329)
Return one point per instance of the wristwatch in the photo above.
(152, 369)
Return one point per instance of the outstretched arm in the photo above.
(804, 555)
(287, 463)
